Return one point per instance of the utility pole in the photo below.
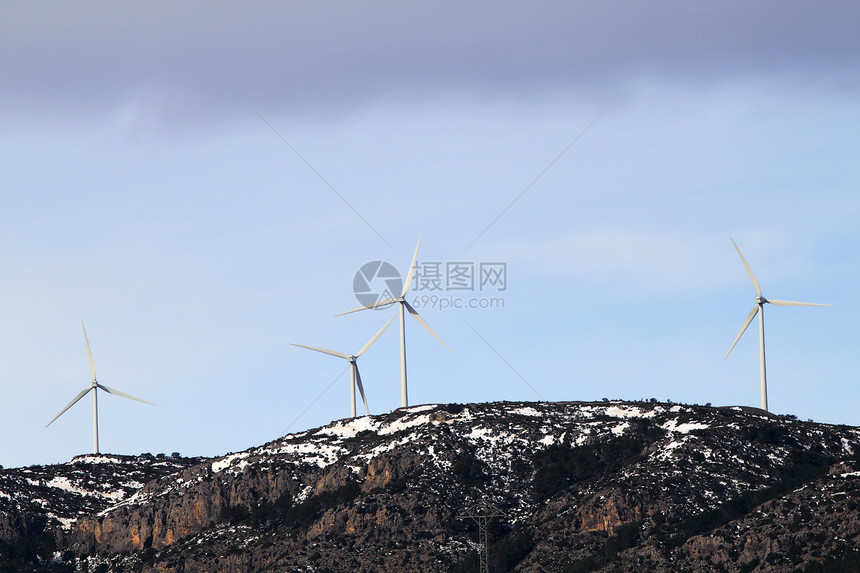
(482, 513)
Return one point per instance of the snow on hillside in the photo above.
(496, 433)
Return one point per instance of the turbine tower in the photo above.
(404, 308)
(355, 376)
(758, 309)
(95, 386)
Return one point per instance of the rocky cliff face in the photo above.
(40, 503)
(606, 486)
(55, 496)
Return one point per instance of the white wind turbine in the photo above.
(95, 387)
(759, 309)
(355, 376)
(404, 307)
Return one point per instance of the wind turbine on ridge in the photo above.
(758, 309)
(95, 386)
(404, 308)
(355, 376)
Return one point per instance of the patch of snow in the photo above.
(227, 461)
(431, 452)
(690, 426)
(404, 424)
(587, 411)
(629, 412)
(65, 522)
(668, 449)
(98, 459)
(349, 428)
(417, 409)
(527, 411)
(479, 433)
(493, 436)
(382, 448)
(314, 453)
(619, 429)
(63, 483)
(674, 426)
(304, 494)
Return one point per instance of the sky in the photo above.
(200, 182)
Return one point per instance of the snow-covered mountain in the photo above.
(607, 486)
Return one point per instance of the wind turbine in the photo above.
(404, 308)
(759, 309)
(355, 377)
(95, 387)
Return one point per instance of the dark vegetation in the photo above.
(624, 537)
(31, 554)
(469, 469)
(804, 467)
(845, 561)
(282, 512)
(560, 465)
(507, 548)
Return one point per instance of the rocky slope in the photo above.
(608, 486)
(37, 502)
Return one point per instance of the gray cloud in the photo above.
(204, 57)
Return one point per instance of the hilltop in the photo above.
(606, 486)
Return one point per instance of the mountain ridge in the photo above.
(584, 486)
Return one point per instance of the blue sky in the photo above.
(200, 183)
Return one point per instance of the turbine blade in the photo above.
(411, 272)
(123, 394)
(89, 352)
(794, 303)
(747, 267)
(72, 403)
(360, 387)
(375, 336)
(385, 302)
(417, 317)
(747, 322)
(323, 350)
